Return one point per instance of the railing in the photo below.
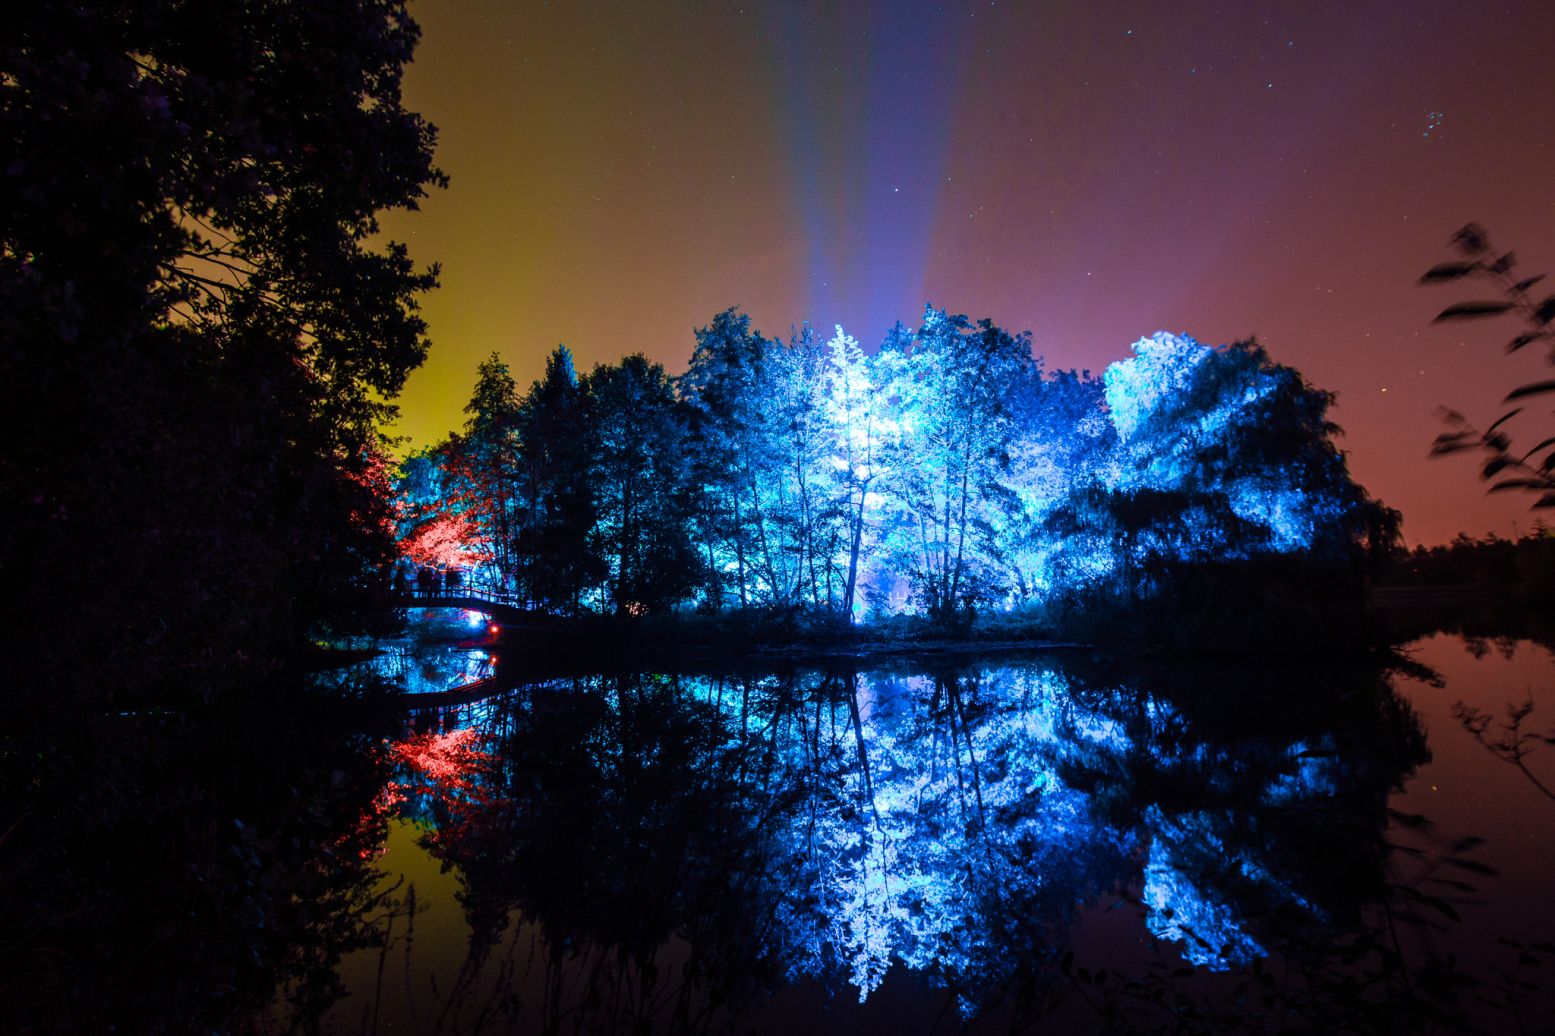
(443, 593)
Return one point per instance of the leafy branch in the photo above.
(1509, 742)
(1532, 470)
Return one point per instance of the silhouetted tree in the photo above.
(188, 276)
(643, 492)
(558, 559)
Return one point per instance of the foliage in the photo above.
(952, 389)
(188, 277)
(947, 476)
(489, 460)
(1510, 743)
(638, 460)
(558, 561)
(1516, 470)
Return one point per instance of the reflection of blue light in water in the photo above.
(1314, 775)
(1181, 910)
(426, 659)
(905, 819)
(431, 669)
(903, 872)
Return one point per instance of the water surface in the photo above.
(1053, 842)
(1048, 843)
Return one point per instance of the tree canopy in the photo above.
(947, 474)
(192, 278)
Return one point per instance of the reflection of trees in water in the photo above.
(414, 666)
(1507, 739)
(420, 667)
(653, 851)
(169, 872)
(669, 846)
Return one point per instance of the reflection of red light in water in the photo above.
(370, 826)
(450, 768)
(443, 766)
(449, 778)
(440, 758)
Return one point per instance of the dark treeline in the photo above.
(196, 338)
(946, 475)
(1523, 566)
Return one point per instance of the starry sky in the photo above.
(1091, 172)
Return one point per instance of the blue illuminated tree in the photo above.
(953, 387)
(1224, 508)
(1062, 442)
(856, 420)
(1232, 422)
(945, 475)
(799, 503)
(733, 443)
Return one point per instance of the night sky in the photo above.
(622, 173)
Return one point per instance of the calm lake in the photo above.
(1048, 842)
(1038, 842)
